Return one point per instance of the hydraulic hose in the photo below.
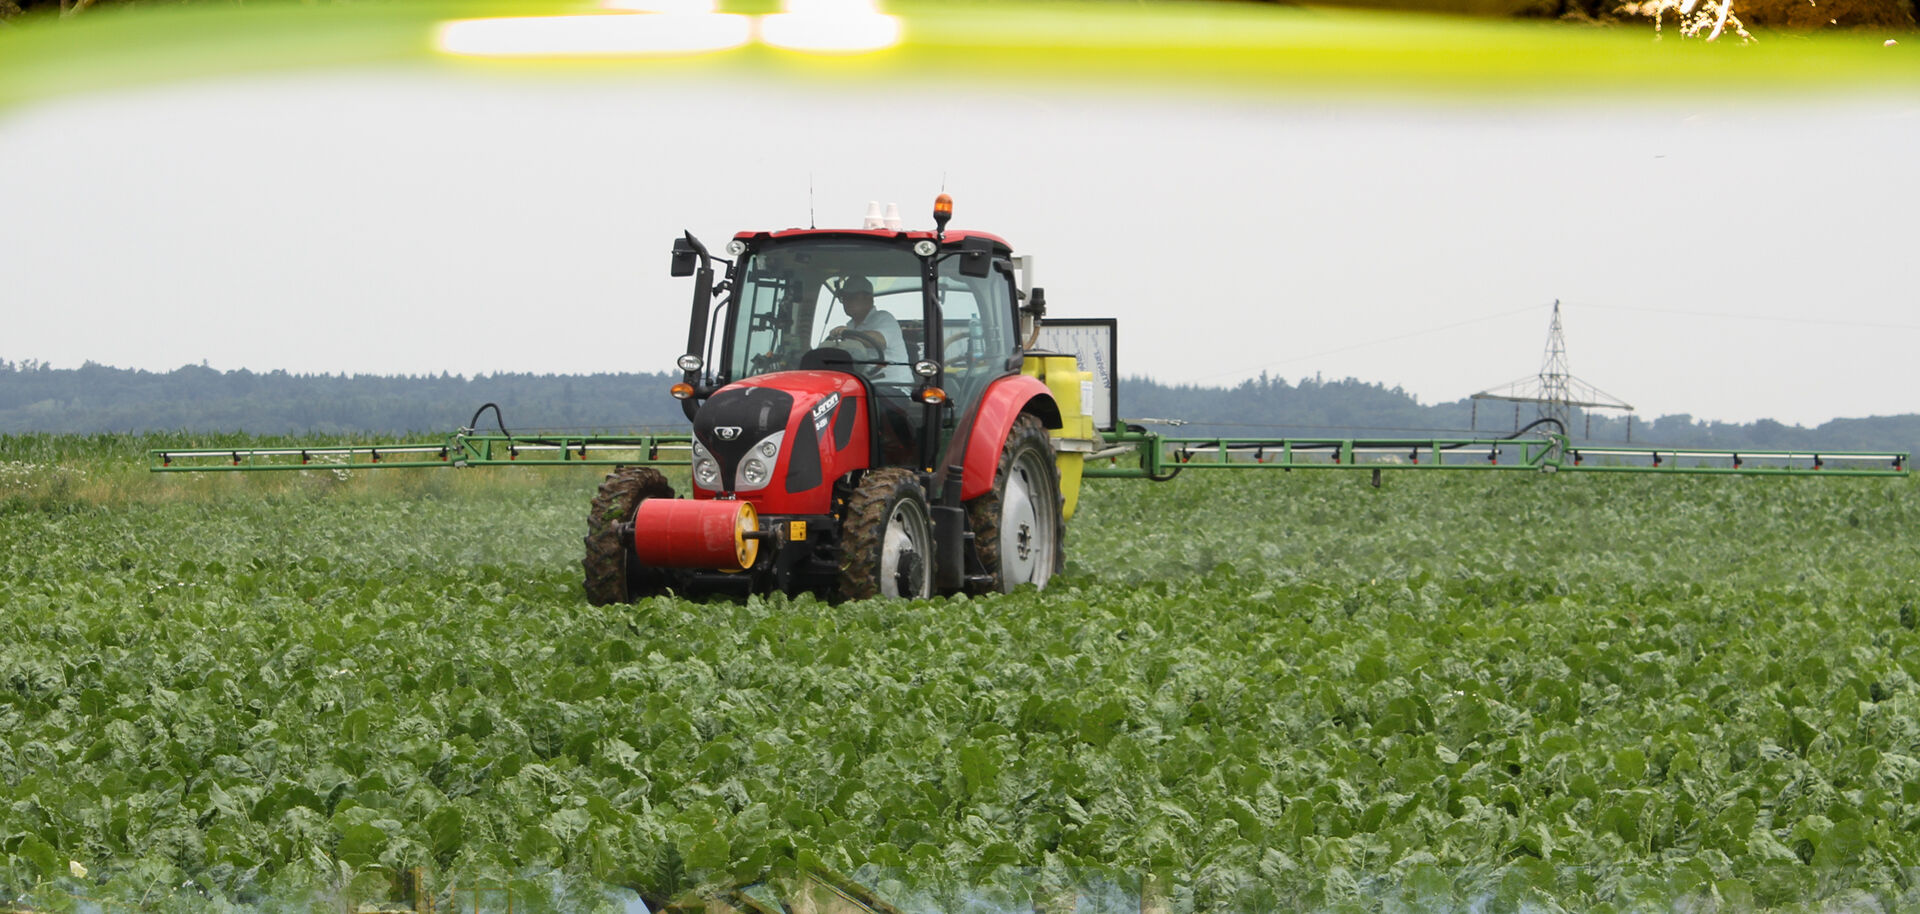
(498, 419)
(1536, 424)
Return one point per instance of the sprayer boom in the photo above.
(460, 449)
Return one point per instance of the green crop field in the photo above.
(1257, 693)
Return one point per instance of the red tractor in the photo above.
(862, 425)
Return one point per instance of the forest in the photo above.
(35, 397)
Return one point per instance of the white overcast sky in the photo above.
(1732, 260)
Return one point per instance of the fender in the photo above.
(1002, 402)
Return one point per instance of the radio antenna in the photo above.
(810, 223)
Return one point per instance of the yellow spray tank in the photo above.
(1075, 438)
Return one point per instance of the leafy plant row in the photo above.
(1284, 692)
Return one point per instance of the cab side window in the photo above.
(976, 315)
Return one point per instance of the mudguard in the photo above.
(1002, 402)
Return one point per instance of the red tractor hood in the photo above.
(815, 422)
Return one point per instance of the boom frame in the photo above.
(1120, 455)
(460, 449)
(1137, 454)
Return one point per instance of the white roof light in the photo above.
(659, 6)
(611, 35)
(667, 27)
(830, 26)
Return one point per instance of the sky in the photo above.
(1727, 258)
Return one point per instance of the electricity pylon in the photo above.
(1555, 391)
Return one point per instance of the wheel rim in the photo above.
(906, 569)
(1026, 530)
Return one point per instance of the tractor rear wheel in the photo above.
(1019, 527)
(613, 575)
(886, 539)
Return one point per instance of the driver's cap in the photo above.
(856, 285)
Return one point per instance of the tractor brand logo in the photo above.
(726, 432)
(823, 410)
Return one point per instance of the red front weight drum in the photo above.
(688, 533)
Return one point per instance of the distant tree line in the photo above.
(1269, 407)
(96, 398)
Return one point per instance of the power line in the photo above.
(1753, 317)
(1375, 342)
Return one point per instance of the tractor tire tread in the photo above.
(863, 531)
(985, 511)
(609, 580)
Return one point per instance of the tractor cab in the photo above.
(862, 425)
(922, 337)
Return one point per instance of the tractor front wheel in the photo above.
(886, 544)
(1019, 527)
(613, 574)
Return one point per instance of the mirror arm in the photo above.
(703, 293)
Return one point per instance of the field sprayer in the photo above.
(933, 441)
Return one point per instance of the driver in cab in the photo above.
(876, 330)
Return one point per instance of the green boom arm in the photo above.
(460, 449)
(1146, 455)
(1130, 455)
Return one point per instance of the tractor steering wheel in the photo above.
(858, 347)
(869, 359)
(853, 354)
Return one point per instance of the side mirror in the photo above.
(1038, 305)
(976, 257)
(684, 257)
(1030, 316)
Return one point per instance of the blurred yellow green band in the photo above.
(1249, 47)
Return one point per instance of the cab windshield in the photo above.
(863, 299)
(794, 298)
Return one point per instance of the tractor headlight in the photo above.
(756, 470)
(688, 362)
(706, 471)
(736, 247)
(924, 248)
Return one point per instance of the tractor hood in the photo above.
(735, 420)
(777, 434)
